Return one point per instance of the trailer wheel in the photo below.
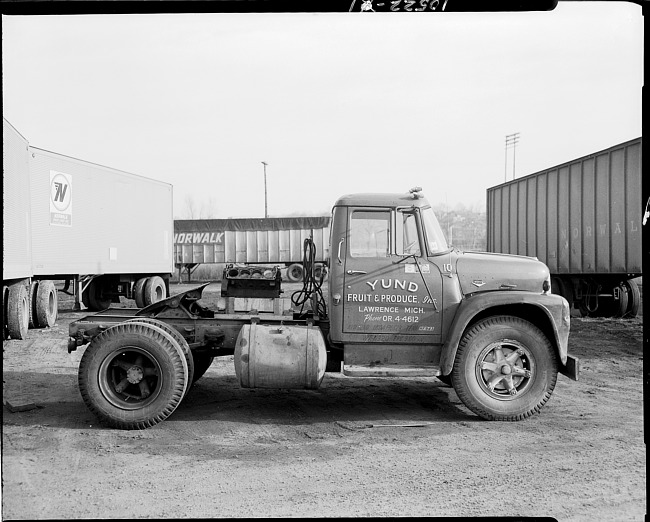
(154, 290)
(31, 297)
(138, 292)
(608, 306)
(47, 304)
(92, 297)
(132, 376)
(505, 369)
(5, 300)
(295, 273)
(180, 340)
(201, 364)
(17, 311)
(320, 270)
(634, 298)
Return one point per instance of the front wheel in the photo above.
(505, 369)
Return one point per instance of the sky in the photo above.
(334, 103)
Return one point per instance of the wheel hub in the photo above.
(134, 374)
(504, 369)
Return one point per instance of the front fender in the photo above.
(552, 311)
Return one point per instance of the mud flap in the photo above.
(572, 367)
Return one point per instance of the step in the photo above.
(391, 370)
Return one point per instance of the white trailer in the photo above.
(105, 232)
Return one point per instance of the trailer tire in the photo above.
(17, 311)
(295, 273)
(47, 304)
(138, 292)
(31, 296)
(180, 340)
(92, 297)
(634, 298)
(201, 364)
(500, 354)
(5, 300)
(154, 290)
(320, 270)
(132, 376)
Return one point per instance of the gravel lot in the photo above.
(355, 447)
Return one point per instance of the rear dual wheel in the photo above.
(505, 369)
(133, 375)
(17, 307)
(149, 290)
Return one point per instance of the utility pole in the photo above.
(511, 142)
(266, 208)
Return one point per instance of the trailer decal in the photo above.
(60, 199)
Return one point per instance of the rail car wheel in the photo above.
(47, 304)
(180, 340)
(133, 376)
(295, 273)
(505, 369)
(138, 292)
(17, 311)
(154, 290)
(201, 364)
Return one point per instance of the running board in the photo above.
(391, 370)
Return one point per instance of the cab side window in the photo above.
(407, 234)
(369, 233)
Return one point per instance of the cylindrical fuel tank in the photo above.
(273, 356)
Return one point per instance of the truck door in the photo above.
(391, 290)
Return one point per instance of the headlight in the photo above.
(546, 286)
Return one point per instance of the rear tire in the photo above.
(132, 376)
(138, 292)
(17, 311)
(180, 340)
(47, 304)
(92, 297)
(505, 369)
(154, 290)
(634, 298)
(31, 296)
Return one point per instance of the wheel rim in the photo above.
(505, 369)
(130, 378)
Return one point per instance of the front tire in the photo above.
(505, 369)
(132, 376)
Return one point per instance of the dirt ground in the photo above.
(342, 450)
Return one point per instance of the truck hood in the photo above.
(484, 272)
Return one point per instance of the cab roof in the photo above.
(370, 199)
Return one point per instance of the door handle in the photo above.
(356, 272)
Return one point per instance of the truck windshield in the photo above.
(435, 239)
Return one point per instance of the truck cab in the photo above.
(402, 302)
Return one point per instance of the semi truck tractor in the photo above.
(583, 220)
(73, 226)
(400, 303)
